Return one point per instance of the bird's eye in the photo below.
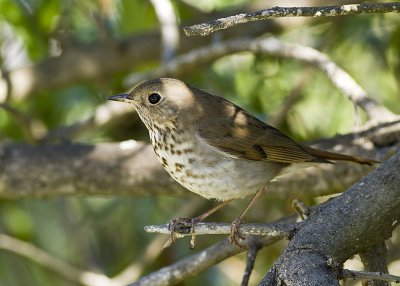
(154, 98)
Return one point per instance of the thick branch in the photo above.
(276, 12)
(131, 168)
(67, 169)
(338, 221)
(360, 218)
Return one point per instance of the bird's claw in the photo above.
(235, 236)
(182, 225)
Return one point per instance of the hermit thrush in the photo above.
(213, 147)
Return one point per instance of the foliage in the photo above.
(105, 234)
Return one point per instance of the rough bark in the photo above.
(205, 29)
(66, 169)
(375, 260)
(335, 231)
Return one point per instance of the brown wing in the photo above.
(241, 135)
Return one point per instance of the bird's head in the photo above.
(159, 101)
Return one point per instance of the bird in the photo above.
(214, 148)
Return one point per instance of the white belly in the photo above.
(213, 174)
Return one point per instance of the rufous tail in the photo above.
(325, 155)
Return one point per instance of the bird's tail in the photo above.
(325, 155)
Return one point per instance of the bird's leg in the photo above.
(235, 235)
(186, 225)
(213, 210)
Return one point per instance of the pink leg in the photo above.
(235, 235)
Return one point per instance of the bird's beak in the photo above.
(120, 97)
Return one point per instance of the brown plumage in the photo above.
(240, 134)
(213, 147)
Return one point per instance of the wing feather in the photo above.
(241, 135)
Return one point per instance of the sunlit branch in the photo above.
(277, 12)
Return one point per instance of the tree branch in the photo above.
(273, 47)
(194, 264)
(69, 169)
(334, 231)
(53, 263)
(276, 12)
(351, 274)
(375, 259)
(190, 266)
(25, 122)
(130, 168)
(108, 113)
(202, 228)
(253, 249)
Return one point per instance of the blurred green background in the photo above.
(106, 235)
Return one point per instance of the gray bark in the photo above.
(122, 169)
(71, 169)
(115, 169)
(205, 29)
(375, 260)
(351, 223)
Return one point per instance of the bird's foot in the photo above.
(183, 225)
(235, 236)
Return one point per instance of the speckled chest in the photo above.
(175, 151)
(205, 170)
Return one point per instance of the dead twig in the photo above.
(277, 12)
(351, 274)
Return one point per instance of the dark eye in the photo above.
(154, 98)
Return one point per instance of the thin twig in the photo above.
(291, 99)
(301, 208)
(254, 246)
(202, 228)
(194, 264)
(24, 121)
(351, 274)
(55, 264)
(5, 76)
(277, 12)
